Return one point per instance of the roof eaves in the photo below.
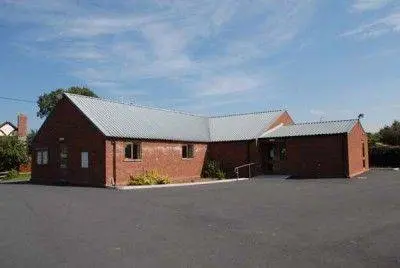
(241, 114)
(137, 105)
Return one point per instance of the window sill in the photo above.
(187, 158)
(132, 160)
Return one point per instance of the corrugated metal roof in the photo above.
(241, 126)
(312, 129)
(131, 121)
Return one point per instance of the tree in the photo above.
(391, 135)
(29, 139)
(373, 139)
(13, 153)
(47, 101)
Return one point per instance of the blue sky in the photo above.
(318, 59)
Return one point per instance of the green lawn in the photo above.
(20, 177)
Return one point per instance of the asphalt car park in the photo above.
(257, 223)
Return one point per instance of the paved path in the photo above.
(261, 223)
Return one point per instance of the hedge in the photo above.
(384, 156)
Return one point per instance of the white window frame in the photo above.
(188, 156)
(84, 159)
(42, 157)
(132, 158)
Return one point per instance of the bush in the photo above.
(148, 178)
(13, 174)
(384, 156)
(212, 170)
(13, 153)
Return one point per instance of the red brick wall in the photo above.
(284, 119)
(356, 138)
(164, 157)
(233, 154)
(314, 157)
(79, 135)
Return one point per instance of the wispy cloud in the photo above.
(317, 112)
(365, 5)
(385, 25)
(223, 85)
(203, 47)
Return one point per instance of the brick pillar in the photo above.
(22, 126)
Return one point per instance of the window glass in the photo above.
(133, 151)
(184, 151)
(84, 159)
(187, 151)
(39, 157)
(190, 151)
(271, 154)
(128, 151)
(136, 151)
(45, 157)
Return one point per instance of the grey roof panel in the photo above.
(311, 129)
(132, 121)
(129, 121)
(242, 126)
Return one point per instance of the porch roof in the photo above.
(311, 129)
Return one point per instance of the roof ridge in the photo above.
(239, 114)
(327, 121)
(138, 105)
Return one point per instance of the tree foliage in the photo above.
(390, 134)
(29, 139)
(47, 101)
(13, 153)
(373, 139)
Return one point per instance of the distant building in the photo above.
(9, 129)
(92, 141)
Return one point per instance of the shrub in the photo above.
(13, 153)
(384, 156)
(13, 174)
(212, 170)
(148, 178)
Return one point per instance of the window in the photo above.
(271, 154)
(364, 163)
(63, 156)
(84, 159)
(42, 157)
(283, 152)
(187, 151)
(133, 151)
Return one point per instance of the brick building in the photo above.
(21, 129)
(97, 142)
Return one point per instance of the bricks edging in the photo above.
(125, 188)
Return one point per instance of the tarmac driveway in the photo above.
(274, 223)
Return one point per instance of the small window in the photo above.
(39, 157)
(133, 151)
(84, 159)
(187, 151)
(45, 157)
(364, 163)
(42, 157)
(271, 154)
(283, 152)
(63, 156)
